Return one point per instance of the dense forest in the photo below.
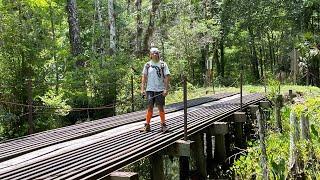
(64, 62)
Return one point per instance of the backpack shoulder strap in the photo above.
(147, 67)
(162, 68)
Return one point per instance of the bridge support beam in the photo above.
(219, 130)
(239, 119)
(253, 109)
(198, 154)
(209, 152)
(122, 176)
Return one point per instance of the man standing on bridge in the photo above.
(155, 76)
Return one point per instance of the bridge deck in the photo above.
(98, 158)
(20, 146)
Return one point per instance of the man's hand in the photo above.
(143, 93)
(165, 93)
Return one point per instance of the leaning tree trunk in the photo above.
(139, 27)
(263, 161)
(150, 29)
(74, 29)
(305, 135)
(112, 22)
(295, 163)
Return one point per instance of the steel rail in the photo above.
(171, 108)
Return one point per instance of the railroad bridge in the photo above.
(100, 149)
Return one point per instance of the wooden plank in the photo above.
(123, 176)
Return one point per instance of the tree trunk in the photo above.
(314, 70)
(261, 62)
(216, 59)
(254, 58)
(139, 27)
(150, 29)
(163, 30)
(30, 108)
(74, 29)
(295, 66)
(204, 56)
(101, 39)
(112, 23)
(222, 64)
(54, 53)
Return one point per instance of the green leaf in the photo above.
(314, 131)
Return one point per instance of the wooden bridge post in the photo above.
(219, 130)
(184, 167)
(239, 119)
(198, 154)
(157, 168)
(182, 150)
(290, 95)
(251, 125)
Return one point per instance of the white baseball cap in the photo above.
(154, 50)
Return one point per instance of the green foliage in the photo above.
(274, 88)
(247, 166)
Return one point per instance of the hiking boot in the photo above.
(146, 128)
(164, 128)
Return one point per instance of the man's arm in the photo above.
(166, 85)
(143, 83)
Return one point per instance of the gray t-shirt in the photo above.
(155, 79)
